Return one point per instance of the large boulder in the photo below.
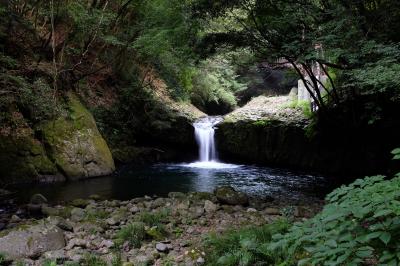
(76, 145)
(228, 195)
(23, 159)
(31, 242)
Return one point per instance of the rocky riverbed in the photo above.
(141, 231)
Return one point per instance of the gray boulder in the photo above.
(78, 214)
(32, 242)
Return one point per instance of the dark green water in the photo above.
(160, 179)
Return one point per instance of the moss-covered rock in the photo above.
(297, 144)
(23, 159)
(75, 145)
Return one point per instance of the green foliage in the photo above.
(245, 246)
(40, 101)
(93, 260)
(155, 221)
(49, 263)
(216, 81)
(396, 154)
(154, 218)
(360, 223)
(133, 233)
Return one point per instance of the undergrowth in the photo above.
(359, 225)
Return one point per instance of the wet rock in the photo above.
(210, 207)
(78, 214)
(38, 199)
(32, 242)
(251, 210)
(228, 195)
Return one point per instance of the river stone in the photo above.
(161, 247)
(32, 242)
(78, 214)
(64, 224)
(197, 212)
(210, 207)
(176, 195)
(38, 199)
(228, 195)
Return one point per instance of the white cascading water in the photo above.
(205, 137)
(204, 133)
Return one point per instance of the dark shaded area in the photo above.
(336, 146)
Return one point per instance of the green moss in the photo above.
(23, 159)
(264, 123)
(73, 138)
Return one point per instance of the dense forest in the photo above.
(107, 88)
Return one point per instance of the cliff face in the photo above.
(268, 131)
(68, 147)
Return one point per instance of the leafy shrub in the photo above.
(360, 224)
(244, 247)
(134, 233)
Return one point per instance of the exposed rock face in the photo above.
(266, 142)
(75, 144)
(68, 147)
(32, 242)
(23, 159)
(282, 143)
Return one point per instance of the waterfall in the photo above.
(204, 130)
(204, 133)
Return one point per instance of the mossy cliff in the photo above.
(296, 145)
(68, 147)
(75, 145)
(23, 159)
